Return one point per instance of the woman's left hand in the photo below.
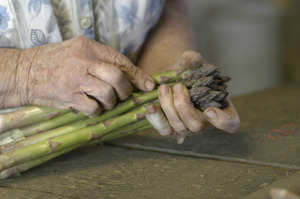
(181, 118)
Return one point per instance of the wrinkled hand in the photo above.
(68, 74)
(181, 118)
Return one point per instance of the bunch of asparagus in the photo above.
(30, 136)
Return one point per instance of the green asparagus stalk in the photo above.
(52, 123)
(125, 131)
(119, 109)
(81, 136)
(20, 168)
(10, 136)
(28, 116)
(13, 109)
(22, 133)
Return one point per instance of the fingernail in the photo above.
(180, 139)
(211, 114)
(149, 85)
(163, 90)
(177, 88)
(151, 109)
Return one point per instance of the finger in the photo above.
(86, 105)
(158, 120)
(102, 91)
(112, 76)
(135, 75)
(191, 117)
(189, 59)
(165, 96)
(227, 120)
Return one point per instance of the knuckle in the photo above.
(108, 96)
(110, 103)
(126, 66)
(126, 94)
(80, 40)
(118, 78)
(192, 59)
(188, 53)
(119, 58)
(179, 104)
(177, 126)
(196, 126)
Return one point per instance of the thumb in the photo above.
(222, 120)
(189, 59)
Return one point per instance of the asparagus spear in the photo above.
(119, 109)
(20, 168)
(27, 116)
(21, 133)
(13, 109)
(81, 136)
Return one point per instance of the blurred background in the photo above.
(255, 42)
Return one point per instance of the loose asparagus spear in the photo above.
(18, 169)
(27, 116)
(81, 136)
(13, 109)
(21, 133)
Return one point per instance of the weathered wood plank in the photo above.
(111, 172)
(289, 184)
(259, 112)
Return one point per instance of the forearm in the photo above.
(12, 82)
(168, 40)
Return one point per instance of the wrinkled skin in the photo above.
(71, 73)
(184, 119)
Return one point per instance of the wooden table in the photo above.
(211, 165)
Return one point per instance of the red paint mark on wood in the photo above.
(291, 126)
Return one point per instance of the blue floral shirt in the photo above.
(122, 24)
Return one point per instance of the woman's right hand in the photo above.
(66, 74)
